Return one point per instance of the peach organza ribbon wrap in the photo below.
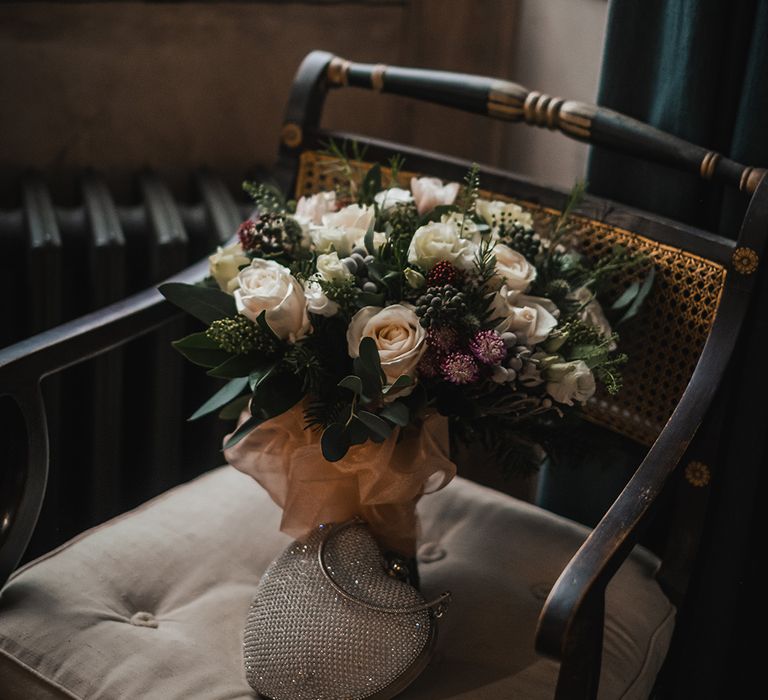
(380, 483)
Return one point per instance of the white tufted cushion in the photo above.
(151, 605)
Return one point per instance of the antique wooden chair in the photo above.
(152, 604)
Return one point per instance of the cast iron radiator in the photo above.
(118, 430)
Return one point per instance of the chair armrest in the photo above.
(586, 576)
(82, 338)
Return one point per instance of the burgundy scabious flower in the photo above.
(459, 368)
(248, 234)
(444, 273)
(444, 339)
(488, 347)
(429, 365)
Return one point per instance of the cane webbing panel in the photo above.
(663, 342)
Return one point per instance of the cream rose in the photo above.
(429, 192)
(330, 268)
(270, 287)
(225, 265)
(531, 319)
(496, 212)
(441, 241)
(341, 230)
(399, 337)
(379, 239)
(317, 300)
(386, 199)
(513, 269)
(570, 381)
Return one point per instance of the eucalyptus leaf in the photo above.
(400, 383)
(201, 350)
(235, 407)
(204, 303)
(334, 442)
(368, 240)
(645, 289)
(222, 397)
(378, 427)
(396, 412)
(357, 432)
(353, 383)
(626, 298)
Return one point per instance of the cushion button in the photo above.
(429, 552)
(143, 619)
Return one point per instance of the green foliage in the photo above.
(344, 292)
(267, 198)
(199, 349)
(239, 335)
(204, 303)
(229, 392)
(468, 197)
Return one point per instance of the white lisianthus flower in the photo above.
(310, 211)
(225, 265)
(430, 192)
(531, 319)
(438, 241)
(318, 301)
(592, 313)
(468, 230)
(330, 268)
(497, 212)
(512, 269)
(268, 286)
(379, 239)
(400, 339)
(341, 230)
(570, 381)
(386, 199)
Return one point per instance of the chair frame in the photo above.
(570, 627)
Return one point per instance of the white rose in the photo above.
(317, 300)
(386, 199)
(441, 241)
(225, 265)
(312, 209)
(268, 286)
(399, 337)
(531, 319)
(513, 269)
(592, 313)
(429, 192)
(341, 230)
(570, 381)
(496, 212)
(331, 268)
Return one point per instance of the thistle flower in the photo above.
(459, 368)
(444, 339)
(488, 347)
(429, 365)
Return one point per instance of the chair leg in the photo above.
(579, 676)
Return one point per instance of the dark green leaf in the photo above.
(234, 408)
(238, 366)
(368, 367)
(356, 432)
(353, 383)
(645, 289)
(626, 298)
(396, 412)
(204, 303)
(400, 383)
(259, 375)
(276, 393)
(261, 320)
(223, 396)
(379, 428)
(371, 184)
(242, 431)
(334, 442)
(368, 240)
(369, 299)
(201, 350)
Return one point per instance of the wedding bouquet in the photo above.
(372, 309)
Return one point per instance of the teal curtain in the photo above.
(697, 69)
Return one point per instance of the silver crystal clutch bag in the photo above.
(330, 622)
